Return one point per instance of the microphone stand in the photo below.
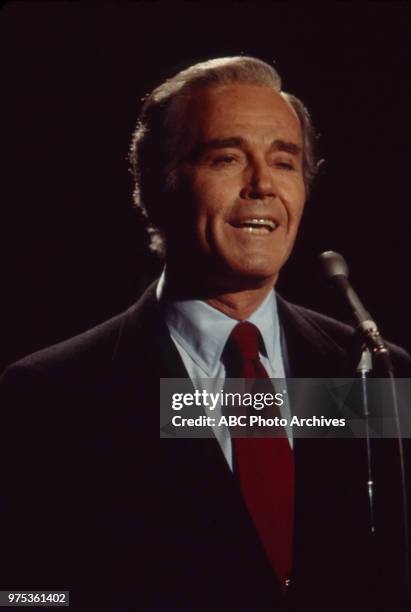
(374, 352)
(363, 369)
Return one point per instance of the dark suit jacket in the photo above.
(93, 501)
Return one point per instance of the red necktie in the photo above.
(265, 467)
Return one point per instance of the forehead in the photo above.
(249, 111)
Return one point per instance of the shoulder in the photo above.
(93, 350)
(91, 346)
(334, 332)
(320, 321)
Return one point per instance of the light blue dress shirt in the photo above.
(200, 333)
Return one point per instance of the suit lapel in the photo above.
(144, 341)
(311, 352)
(145, 353)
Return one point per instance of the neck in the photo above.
(236, 298)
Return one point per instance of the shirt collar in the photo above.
(203, 330)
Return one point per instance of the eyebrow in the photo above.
(237, 141)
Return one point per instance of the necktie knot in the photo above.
(245, 338)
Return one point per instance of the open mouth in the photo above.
(256, 226)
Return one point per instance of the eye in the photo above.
(223, 160)
(284, 164)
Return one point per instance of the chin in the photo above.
(255, 272)
(260, 265)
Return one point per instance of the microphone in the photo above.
(336, 270)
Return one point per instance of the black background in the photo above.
(73, 251)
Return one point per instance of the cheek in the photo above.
(298, 209)
(294, 200)
(212, 200)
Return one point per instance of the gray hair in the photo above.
(160, 128)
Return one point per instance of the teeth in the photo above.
(257, 224)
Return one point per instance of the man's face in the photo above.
(242, 178)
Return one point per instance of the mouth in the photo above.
(256, 226)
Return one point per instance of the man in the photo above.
(223, 161)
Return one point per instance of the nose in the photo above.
(259, 183)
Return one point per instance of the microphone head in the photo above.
(333, 264)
